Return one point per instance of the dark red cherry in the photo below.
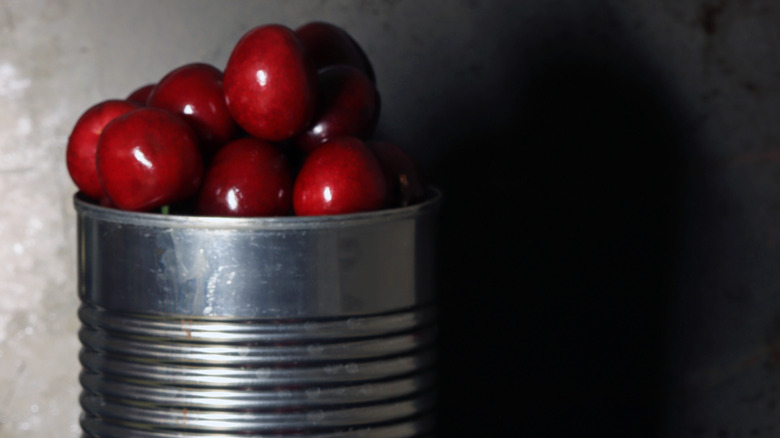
(347, 105)
(328, 44)
(270, 83)
(83, 141)
(341, 176)
(405, 184)
(148, 158)
(247, 177)
(194, 92)
(141, 94)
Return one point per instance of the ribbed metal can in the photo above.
(257, 327)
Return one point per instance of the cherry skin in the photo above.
(141, 94)
(328, 44)
(148, 158)
(194, 92)
(341, 176)
(83, 140)
(247, 177)
(270, 83)
(347, 105)
(405, 184)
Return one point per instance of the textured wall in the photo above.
(637, 220)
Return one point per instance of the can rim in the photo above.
(84, 206)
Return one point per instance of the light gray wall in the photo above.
(453, 75)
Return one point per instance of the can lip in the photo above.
(84, 206)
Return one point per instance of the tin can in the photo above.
(227, 327)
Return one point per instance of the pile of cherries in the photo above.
(285, 129)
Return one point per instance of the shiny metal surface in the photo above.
(256, 267)
(306, 327)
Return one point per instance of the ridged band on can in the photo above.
(219, 327)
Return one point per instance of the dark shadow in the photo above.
(558, 250)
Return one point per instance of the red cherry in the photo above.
(328, 44)
(341, 176)
(247, 177)
(105, 201)
(270, 84)
(141, 94)
(194, 92)
(148, 158)
(83, 140)
(347, 105)
(405, 185)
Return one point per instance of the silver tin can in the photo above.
(257, 327)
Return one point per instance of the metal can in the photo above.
(226, 327)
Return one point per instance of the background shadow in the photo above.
(558, 248)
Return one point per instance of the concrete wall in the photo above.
(612, 164)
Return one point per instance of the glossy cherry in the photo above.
(148, 158)
(141, 94)
(83, 140)
(194, 92)
(405, 184)
(270, 83)
(341, 176)
(328, 44)
(247, 177)
(347, 105)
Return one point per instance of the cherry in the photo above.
(347, 105)
(141, 94)
(194, 92)
(105, 201)
(328, 44)
(270, 83)
(83, 140)
(341, 176)
(405, 185)
(247, 177)
(148, 158)
(284, 128)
